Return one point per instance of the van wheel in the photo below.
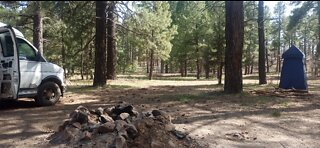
(48, 94)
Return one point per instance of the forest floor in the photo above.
(261, 116)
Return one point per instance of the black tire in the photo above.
(48, 94)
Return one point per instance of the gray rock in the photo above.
(105, 118)
(85, 136)
(169, 127)
(79, 116)
(124, 116)
(99, 111)
(76, 125)
(106, 128)
(158, 113)
(120, 142)
(119, 124)
(123, 133)
(131, 130)
(108, 110)
(65, 123)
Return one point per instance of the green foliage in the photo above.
(153, 21)
(299, 13)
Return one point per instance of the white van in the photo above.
(24, 73)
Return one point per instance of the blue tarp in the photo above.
(293, 70)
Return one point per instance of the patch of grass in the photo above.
(187, 97)
(89, 88)
(275, 113)
(118, 86)
(79, 89)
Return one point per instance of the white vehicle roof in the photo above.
(16, 31)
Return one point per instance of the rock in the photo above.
(68, 134)
(120, 142)
(123, 133)
(135, 113)
(131, 130)
(79, 116)
(123, 116)
(86, 136)
(76, 125)
(156, 144)
(158, 113)
(119, 124)
(123, 108)
(169, 127)
(108, 110)
(99, 111)
(83, 109)
(161, 116)
(105, 140)
(65, 123)
(179, 134)
(120, 127)
(107, 127)
(105, 118)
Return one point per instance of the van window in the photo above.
(7, 47)
(26, 52)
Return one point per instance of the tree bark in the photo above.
(185, 68)
(220, 73)
(234, 43)
(262, 48)
(181, 68)
(267, 57)
(37, 27)
(151, 64)
(166, 68)
(318, 44)
(111, 44)
(162, 64)
(100, 45)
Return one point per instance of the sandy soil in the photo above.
(259, 117)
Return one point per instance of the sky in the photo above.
(272, 4)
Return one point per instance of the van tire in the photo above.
(48, 94)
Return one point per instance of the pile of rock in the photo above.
(120, 126)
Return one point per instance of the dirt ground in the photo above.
(261, 116)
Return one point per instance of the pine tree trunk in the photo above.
(220, 73)
(82, 61)
(162, 63)
(63, 54)
(151, 64)
(37, 27)
(166, 69)
(279, 46)
(111, 44)
(100, 45)
(267, 59)
(148, 66)
(234, 46)
(207, 70)
(318, 44)
(185, 68)
(262, 48)
(181, 68)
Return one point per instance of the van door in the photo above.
(9, 64)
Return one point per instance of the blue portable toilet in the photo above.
(293, 74)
